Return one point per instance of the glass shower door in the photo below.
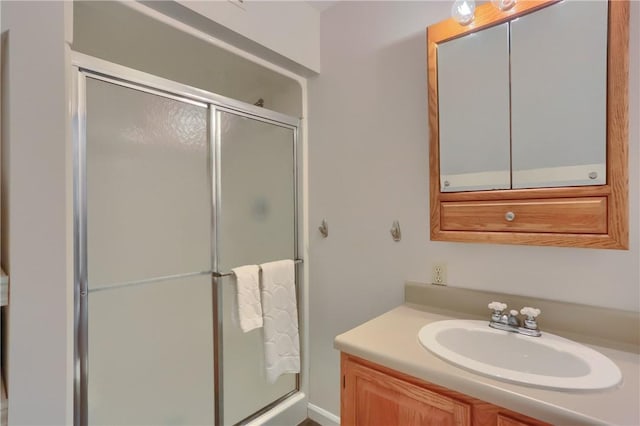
(256, 224)
(149, 312)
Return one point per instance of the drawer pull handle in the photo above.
(509, 216)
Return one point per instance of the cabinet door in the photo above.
(559, 95)
(371, 398)
(503, 420)
(473, 95)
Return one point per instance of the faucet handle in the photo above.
(531, 313)
(497, 306)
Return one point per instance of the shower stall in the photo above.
(173, 187)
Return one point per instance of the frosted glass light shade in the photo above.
(463, 10)
(503, 4)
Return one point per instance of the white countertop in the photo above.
(391, 340)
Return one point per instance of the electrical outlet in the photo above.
(439, 273)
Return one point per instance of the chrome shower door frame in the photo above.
(85, 66)
(216, 137)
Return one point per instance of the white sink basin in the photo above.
(548, 361)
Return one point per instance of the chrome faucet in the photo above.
(511, 322)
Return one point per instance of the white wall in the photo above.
(289, 28)
(368, 165)
(36, 222)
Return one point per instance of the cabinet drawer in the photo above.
(561, 215)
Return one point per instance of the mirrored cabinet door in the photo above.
(473, 95)
(559, 95)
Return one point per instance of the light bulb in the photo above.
(503, 4)
(463, 10)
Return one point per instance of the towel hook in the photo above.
(396, 234)
(324, 229)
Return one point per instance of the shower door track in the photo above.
(87, 66)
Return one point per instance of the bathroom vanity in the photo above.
(373, 394)
(388, 377)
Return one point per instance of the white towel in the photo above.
(280, 312)
(248, 292)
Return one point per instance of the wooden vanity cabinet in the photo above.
(373, 395)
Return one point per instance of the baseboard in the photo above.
(322, 416)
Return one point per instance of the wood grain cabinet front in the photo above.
(373, 395)
(586, 215)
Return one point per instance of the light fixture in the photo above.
(463, 10)
(503, 4)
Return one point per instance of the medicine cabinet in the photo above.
(528, 125)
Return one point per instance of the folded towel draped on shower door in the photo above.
(248, 297)
(280, 313)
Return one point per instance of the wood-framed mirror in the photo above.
(489, 121)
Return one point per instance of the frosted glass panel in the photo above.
(148, 185)
(256, 226)
(151, 354)
(245, 387)
(473, 96)
(257, 191)
(559, 95)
